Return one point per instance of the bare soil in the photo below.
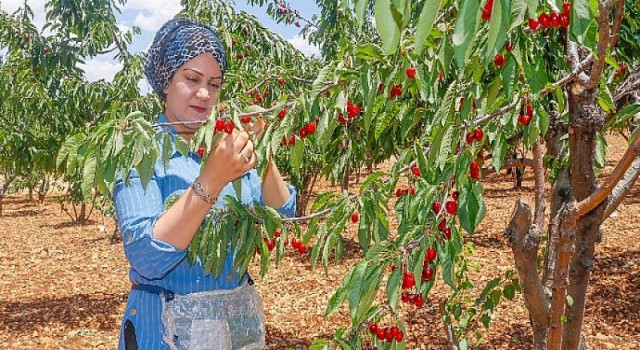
(64, 286)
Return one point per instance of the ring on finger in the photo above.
(246, 159)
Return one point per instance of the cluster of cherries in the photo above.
(474, 170)
(258, 97)
(271, 243)
(353, 110)
(620, 71)
(383, 334)
(225, 125)
(525, 119)
(552, 19)
(499, 59)
(475, 135)
(410, 190)
(451, 207)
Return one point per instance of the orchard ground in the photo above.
(64, 286)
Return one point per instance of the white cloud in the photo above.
(97, 69)
(153, 17)
(303, 45)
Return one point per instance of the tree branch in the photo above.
(603, 43)
(603, 192)
(538, 170)
(453, 343)
(524, 242)
(618, 193)
(565, 249)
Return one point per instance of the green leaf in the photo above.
(499, 151)
(370, 51)
(600, 151)
(518, 9)
(393, 292)
(471, 208)
(465, 31)
(509, 291)
(182, 145)
(581, 19)
(360, 7)
(605, 100)
(388, 28)
(446, 254)
(321, 80)
(297, 155)
(569, 300)
(341, 293)
(355, 288)
(430, 10)
(88, 175)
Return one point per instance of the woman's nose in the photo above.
(203, 94)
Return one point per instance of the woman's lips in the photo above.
(199, 109)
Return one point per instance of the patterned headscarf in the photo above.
(178, 41)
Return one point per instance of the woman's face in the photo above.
(192, 91)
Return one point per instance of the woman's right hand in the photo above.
(231, 157)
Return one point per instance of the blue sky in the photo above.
(149, 15)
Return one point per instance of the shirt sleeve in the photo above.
(137, 211)
(288, 209)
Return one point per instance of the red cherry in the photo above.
(455, 195)
(396, 91)
(555, 21)
(404, 297)
(303, 132)
(415, 170)
(399, 335)
(341, 119)
(447, 232)
(470, 137)
(486, 11)
(437, 207)
(524, 119)
(617, 74)
(388, 335)
(412, 191)
(440, 76)
(228, 127)
(302, 249)
(265, 94)
(380, 333)
(352, 110)
(355, 217)
(292, 140)
(475, 165)
(499, 60)
(239, 57)
(411, 72)
(408, 280)
(508, 46)
(373, 328)
(451, 207)
(475, 174)
(281, 81)
(427, 274)
(276, 233)
(219, 125)
(442, 224)
(431, 254)
(245, 119)
(478, 134)
(311, 128)
(544, 20)
(399, 192)
(564, 20)
(200, 151)
(282, 113)
(566, 8)
(533, 24)
(623, 68)
(419, 301)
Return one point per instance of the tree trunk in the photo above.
(83, 213)
(345, 178)
(586, 119)
(42, 190)
(4, 188)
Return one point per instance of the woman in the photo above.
(173, 305)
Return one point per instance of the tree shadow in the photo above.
(614, 285)
(488, 241)
(23, 317)
(22, 213)
(278, 339)
(68, 224)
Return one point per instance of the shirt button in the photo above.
(133, 312)
(130, 239)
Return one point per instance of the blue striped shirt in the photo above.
(158, 263)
